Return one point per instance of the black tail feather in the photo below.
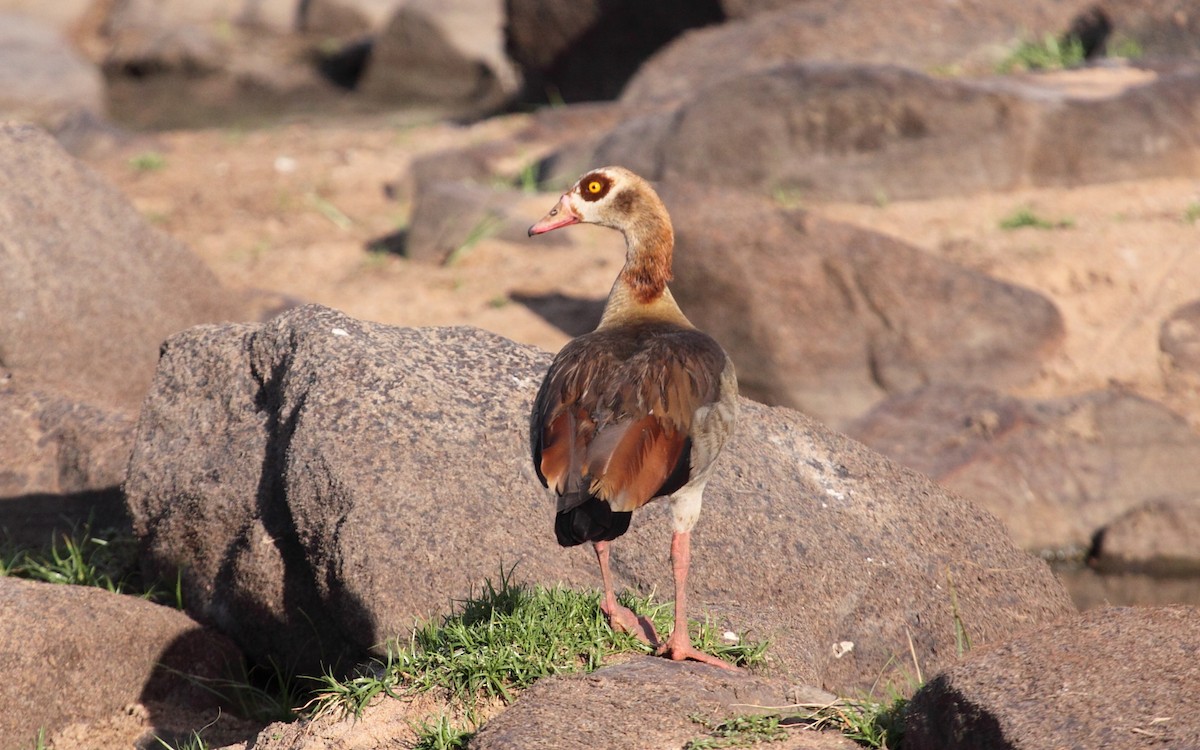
(593, 521)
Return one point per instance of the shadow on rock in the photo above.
(573, 316)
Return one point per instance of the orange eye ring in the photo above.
(594, 186)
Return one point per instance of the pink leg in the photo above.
(621, 619)
(679, 645)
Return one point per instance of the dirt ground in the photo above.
(294, 210)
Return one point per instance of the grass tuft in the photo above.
(1048, 53)
(528, 178)
(1025, 217)
(441, 735)
(1191, 214)
(738, 731)
(331, 212)
(504, 639)
(871, 723)
(148, 161)
(263, 693)
(191, 742)
(105, 559)
(483, 229)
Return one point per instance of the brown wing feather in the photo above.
(615, 411)
(631, 473)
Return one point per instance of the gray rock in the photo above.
(89, 289)
(42, 79)
(969, 36)
(60, 15)
(1120, 678)
(75, 653)
(646, 702)
(174, 64)
(502, 159)
(325, 481)
(861, 132)
(443, 52)
(585, 50)
(1162, 29)
(1158, 538)
(60, 462)
(1179, 340)
(144, 36)
(829, 318)
(451, 216)
(345, 17)
(1054, 471)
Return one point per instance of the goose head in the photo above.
(611, 197)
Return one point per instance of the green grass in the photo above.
(788, 197)
(1191, 214)
(528, 178)
(192, 742)
(331, 212)
(502, 640)
(106, 559)
(1048, 53)
(870, 723)
(1025, 217)
(483, 229)
(148, 161)
(441, 735)
(261, 692)
(1125, 47)
(738, 731)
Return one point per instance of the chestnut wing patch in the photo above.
(614, 414)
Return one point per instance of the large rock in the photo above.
(73, 653)
(1179, 340)
(437, 51)
(646, 703)
(1119, 678)
(820, 130)
(171, 63)
(972, 36)
(581, 50)
(145, 37)
(1054, 471)
(1162, 29)
(829, 318)
(60, 15)
(345, 17)
(60, 462)
(448, 217)
(324, 481)
(42, 79)
(1158, 538)
(89, 289)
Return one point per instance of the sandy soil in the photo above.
(294, 210)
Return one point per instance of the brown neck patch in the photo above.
(648, 269)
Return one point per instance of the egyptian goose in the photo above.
(637, 409)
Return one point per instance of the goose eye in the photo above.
(594, 186)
